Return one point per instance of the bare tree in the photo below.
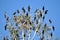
(23, 24)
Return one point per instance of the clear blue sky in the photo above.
(10, 6)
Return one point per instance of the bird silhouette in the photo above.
(29, 8)
(53, 28)
(6, 26)
(46, 11)
(14, 13)
(43, 8)
(23, 9)
(43, 17)
(50, 21)
(18, 11)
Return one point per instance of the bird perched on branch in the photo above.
(14, 13)
(18, 11)
(23, 9)
(43, 8)
(6, 26)
(29, 8)
(50, 21)
(46, 11)
(53, 28)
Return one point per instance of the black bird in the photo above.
(43, 8)
(53, 28)
(29, 8)
(18, 11)
(43, 17)
(7, 18)
(23, 9)
(50, 21)
(30, 23)
(27, 14)
(14, 13)
(43, 32)
(46, 11)
(24, 35)
(45, 25)
(40, 14)
(51, 34)
(6, 26)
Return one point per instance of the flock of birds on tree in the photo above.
(22, 24)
